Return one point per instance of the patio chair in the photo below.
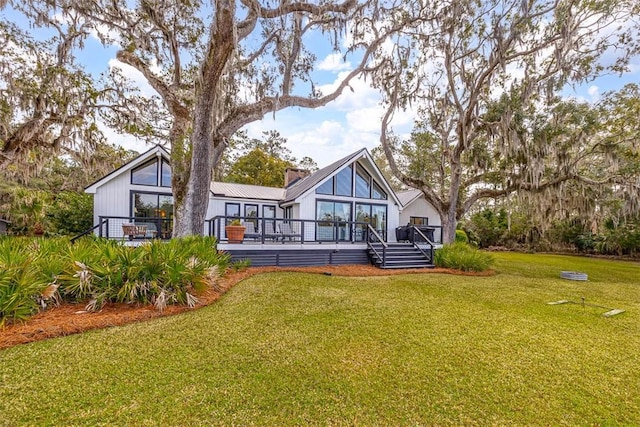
(147, 229)
(131, 231)
(250, 231)
(270, 232)
(287, 232)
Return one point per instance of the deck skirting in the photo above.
(299, 258)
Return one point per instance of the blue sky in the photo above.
(335, 130)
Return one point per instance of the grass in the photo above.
(302, 349)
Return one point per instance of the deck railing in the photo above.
(422, 242)
(373, 238)
(284, 230)
(120, 227)
(258, 230)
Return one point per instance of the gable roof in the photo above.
(154, 151)
(305, 184)
(310, 182)
(244, 191)
(409, 196)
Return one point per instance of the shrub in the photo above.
(71, 213)
(461, 256)
(488, 227)
(461, 236)
(37, 272)
(20, 282)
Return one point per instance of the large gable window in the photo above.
(150, 174)
(378, 192)
(146, 174)
(344, 182)
(165, 177)
(363, 183)
(326, 188)
(340, 185)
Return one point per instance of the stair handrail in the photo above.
(372, 232)
(430, 254)
(89, 231)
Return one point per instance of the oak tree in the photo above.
(486, 79)
(217, 66)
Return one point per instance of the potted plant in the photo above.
(235, 231)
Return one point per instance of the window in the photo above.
(231, 210)
(379, 219)
(377, 192)
(334, 217)
(363, 183)
(152, 205)
(157, 208)
(326, 188)
(418, 220)
(146, 174)
(165, 174)
(374, 215)
(251, 211)
(269, 211)
(344, 182)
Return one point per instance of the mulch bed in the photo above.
(68, 319)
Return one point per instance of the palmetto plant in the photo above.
(20, 281)
(38, 273)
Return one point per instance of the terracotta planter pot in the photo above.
(235, 233)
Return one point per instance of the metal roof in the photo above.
(409, 196)
(244, 191)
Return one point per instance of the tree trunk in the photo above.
(190, 215)
(450, 216)
(206, 140)
(449, 222)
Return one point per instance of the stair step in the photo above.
(399, 256)
(391, 267)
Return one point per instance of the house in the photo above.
(140, 192)
(416, 210)
(340, 207)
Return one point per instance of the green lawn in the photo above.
(303, 349)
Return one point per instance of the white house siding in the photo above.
(420, 208)
(113, 198)
(392, 221)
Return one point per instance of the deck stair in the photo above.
(399, 255)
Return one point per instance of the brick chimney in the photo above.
(291, 175)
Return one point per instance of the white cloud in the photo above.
(124, 140)
(348, 124)
(334, 62)
(594, 92)
(135, 76)
(634, 67)
(359, 93)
